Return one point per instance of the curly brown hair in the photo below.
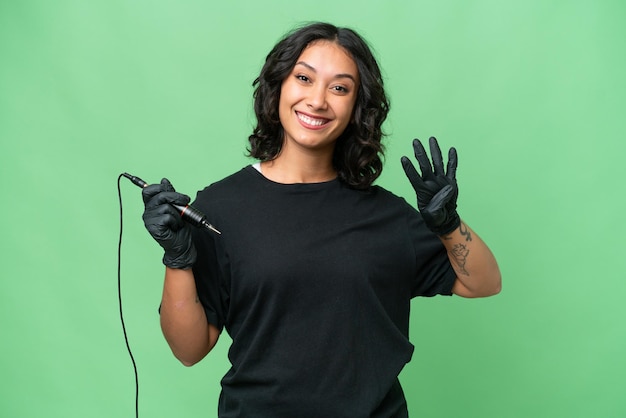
(358, 151)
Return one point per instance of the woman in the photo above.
(315, 267)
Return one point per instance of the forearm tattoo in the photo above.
(465, 232)
(459, 252)
(459, 255)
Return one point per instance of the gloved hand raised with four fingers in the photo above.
(166, 226)
(436, 190)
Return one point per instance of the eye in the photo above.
(340, 89)
(302, 78)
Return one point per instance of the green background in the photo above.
(532, 94)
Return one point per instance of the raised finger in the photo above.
(452, 163)
(422, 159)
(435, 153)
(411, 173)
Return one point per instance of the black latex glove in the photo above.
(436, 191)
(166, 226)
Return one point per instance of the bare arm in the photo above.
(478, 274)
(183, 321)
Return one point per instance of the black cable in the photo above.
(119, 294)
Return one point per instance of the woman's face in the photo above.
(318, 96)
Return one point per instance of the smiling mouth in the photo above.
(311, 121)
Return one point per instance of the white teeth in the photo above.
(311, 121)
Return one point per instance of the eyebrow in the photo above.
(340, 75)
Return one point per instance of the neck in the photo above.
(302, 168)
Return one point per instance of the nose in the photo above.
(316, 98)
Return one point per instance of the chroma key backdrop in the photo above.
(531, 93)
